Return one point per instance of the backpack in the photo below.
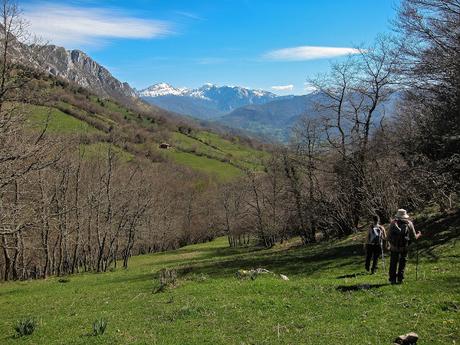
(399, 234)
(375, 235)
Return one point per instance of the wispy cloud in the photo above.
(75, 26)
(189, 15)
(289, 87)
(304, 53)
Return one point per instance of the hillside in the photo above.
(79, 68)
(222, 214)
(139, 129)
(276, 119)
(326, 300)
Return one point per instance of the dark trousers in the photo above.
(372, 253)
(397, 265)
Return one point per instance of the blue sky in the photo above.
(268, 44)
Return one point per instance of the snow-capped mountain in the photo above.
(207, 102)
(162, 89)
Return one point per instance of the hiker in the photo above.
(401, 232)
(374, 243)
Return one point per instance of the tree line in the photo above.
(354, 160)
(62, 211)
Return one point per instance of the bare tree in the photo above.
(352, 108)
(429, 42)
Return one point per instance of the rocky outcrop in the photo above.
(77, 67)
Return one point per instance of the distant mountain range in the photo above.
(273, 119)
(257, 111)
(277, 118)
(207, 102)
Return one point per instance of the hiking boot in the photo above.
(392, 282)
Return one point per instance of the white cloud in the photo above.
(304, 53)
(309, 88)
(283, 87)
(76, 26)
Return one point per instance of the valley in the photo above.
(148, 197)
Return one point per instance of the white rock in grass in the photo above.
(282, 276)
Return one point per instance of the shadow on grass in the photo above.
(214, 254)
(359, 287)
(450, 282)
(353, 275)
(290, 262)
(437, 231)
(220, 262)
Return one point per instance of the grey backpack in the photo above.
(375, 235)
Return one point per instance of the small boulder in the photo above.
(407, 339)
(282, 276)
(241, 274)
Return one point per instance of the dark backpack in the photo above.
(375, 235)
(399, 234)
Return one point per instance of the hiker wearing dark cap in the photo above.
(374, 244)
(401, 232)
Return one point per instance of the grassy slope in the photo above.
(223, 171)
(100, 150)
(214, 155)
(312, 308)
(56, 121)
(199, 155)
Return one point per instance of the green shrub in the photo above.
(99, 327)
(25, 327)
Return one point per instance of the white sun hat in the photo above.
(402, 214)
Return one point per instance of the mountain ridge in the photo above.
(78, 67)
(276, 119)
(166, 89)
(206, 102)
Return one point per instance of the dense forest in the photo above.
(64, 210)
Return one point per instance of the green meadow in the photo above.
(328, 298)
(223, 171)
(56, 121)
(207, 153)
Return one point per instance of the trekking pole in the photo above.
(383, 255)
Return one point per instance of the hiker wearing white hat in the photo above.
(401, 232)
